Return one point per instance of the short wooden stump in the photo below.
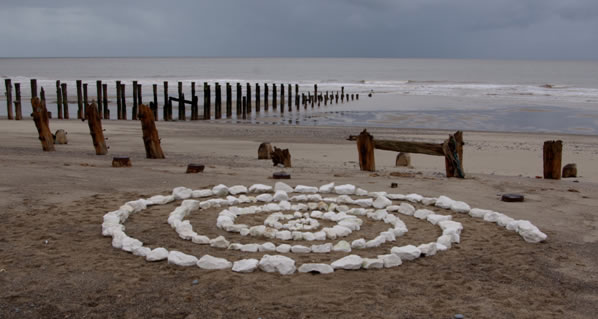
(281, 175)
(121, 161)
(512, 198)
(194, 168)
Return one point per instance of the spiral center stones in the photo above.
(296, 218)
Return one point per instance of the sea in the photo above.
(452, 94)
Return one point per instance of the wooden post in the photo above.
(218, 101)
(315, 90)
(65, 102)
(194, 109)
(281, 97)
(33, 88)
(123, 101)
(239, 100)
(165, 116)
(290, 102)
(342, 93)
(297, 96)
(365, 147)
(18, 113)
(8, 87)
(80, 100)
(182, 115)
(58, 99)
(552, 155)
(119, 111)
(453, 155)
(357, 96)
(274, 96)
(151, 140)
(99, 97)
(105, 101)
(326, 98)
(209, 102)
(257, 97)
(42, 123)
(134, 110)
(139, 97)
(266, 96)
(229, 101)
(280, 156)
(95, 129)
(85, 102)
(248, 98)
(244, 108)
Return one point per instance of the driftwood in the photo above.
(365, 148)
(280, 156)
(552, 155)
(42, 123)
(95, 129)
(151, 140)
(451, 149)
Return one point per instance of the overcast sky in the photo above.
(508, 29)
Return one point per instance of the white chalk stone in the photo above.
(235, 246)
(284, 205)
(372, 263)
(454, 235)
(460, 207)
(504, 220)
(379, 214)
(408, 252)
(390, 260)
(284, 235)
(445, 240)
(349, 262)
(160, 199)
(357, 211)
(343, 246)
(201, 193)
(358, 243)
(129, 244)
(329, 200)
(377, 194)
(257, 231)
(530, 232)
(309, 236)
(141, 251)
(382, 202)
(364, 202)
(157, 254)
(299, 198)
(428, 249)
(328, 188)
(220, 190)
(297, 235)
(316, 214)
(312, 206)
(492, 217)
(212, 263)
(324, 248)
(319, 268)
(396, 196)
(232, 200)
(280, 196)
(479, 213)
(138, 205)
(281, 264)
(320, 235)
(361, 192)
(267, 247)
(376, 242)
(444, 202)
(305, 189)
(388, 235)
(280, 186)
(435, 218)
(330, 233)
(392, 208)
(441, 247)
(352, 224)
(450, 224)
(283, 249)
(429, 201)
(406, 209)
(414, 198)
(181, 259)
(314, 198)
(345, 199)
(219, 242)
(341, 231)
(264, 198)
(260, 188)
(346, 189)
(250, 248)
(237, 189)
(245, 265)
(422, 213)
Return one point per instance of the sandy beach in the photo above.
(55, 263)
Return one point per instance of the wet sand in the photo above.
(60, 197)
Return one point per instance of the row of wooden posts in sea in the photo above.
(245, 104)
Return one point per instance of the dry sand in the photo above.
(60, 197)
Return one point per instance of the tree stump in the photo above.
(194, 168)
(453, 155)
(151, 140)
(280, 156)
(264, 151)
(42, 123)
(403, 159)
(60, 137)
(553, 151)
(95, 129)
(569, 170)
(121, 161)
(365, 147)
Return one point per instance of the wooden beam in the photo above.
(407, 147)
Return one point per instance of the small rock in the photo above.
(195, 282)
(349, 262)
(316, 268)
(281, 264)
(212, 263)
(245, 265)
